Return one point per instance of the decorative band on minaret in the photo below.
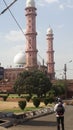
(30, 34)
(50, 54)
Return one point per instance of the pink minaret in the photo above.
(50, 54)
(31, 51)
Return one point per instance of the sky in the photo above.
(58, 14)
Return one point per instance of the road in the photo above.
(47, 122)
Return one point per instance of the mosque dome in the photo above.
(19, 58)
(49, 30)
(30, 3)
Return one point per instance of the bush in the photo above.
(5, 97)
(46, 101)
(36, 102)
(22, 104)
(51, 99)
(28, 98)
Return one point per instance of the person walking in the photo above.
(59, 110)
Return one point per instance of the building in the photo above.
(50, 54)
(27, 60)
(31, 50)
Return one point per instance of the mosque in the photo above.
(27, 60)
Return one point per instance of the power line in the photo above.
(12, 15)
(8, 7)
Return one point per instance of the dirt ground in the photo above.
(12, 105)
(8, 105)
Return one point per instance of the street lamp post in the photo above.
(65, 73)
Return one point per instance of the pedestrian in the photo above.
(59, 110)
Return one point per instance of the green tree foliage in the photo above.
(51, 93)
(46, 101)
(32, 82)
(22, 104)
(59, 88)
(42, 84)
(19, 85)
(36, 102)
(28, 97)
(4, 96)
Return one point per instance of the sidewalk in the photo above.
(46, 122)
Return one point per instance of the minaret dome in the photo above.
(30, 3)
(49, 30)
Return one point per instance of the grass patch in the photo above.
(14, 95)
(18, 110)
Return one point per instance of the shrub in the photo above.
(5, 97)
(46, 101)
(51, 99)
(28, 98)
(36, 102)
(22, 104)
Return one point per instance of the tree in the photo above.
(42, 84)
(32, 82)
(59, 88)
(19, 85)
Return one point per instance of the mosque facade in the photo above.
(28, 60)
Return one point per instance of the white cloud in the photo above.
(60, 26)
(7, 57)
(61, 6)
(15, 36)
(43, 2)
(18, 48)
(1, 35)
(8, 53)
(51, 1)
(69, 6)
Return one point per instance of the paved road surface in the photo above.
(47, 122)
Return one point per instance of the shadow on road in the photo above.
(40, 123)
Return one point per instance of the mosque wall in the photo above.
(10, 74)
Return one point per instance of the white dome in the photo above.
(30, 3)
(19, 58)
(49, 31)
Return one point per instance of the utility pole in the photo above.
(65, 73)
(65, 70)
